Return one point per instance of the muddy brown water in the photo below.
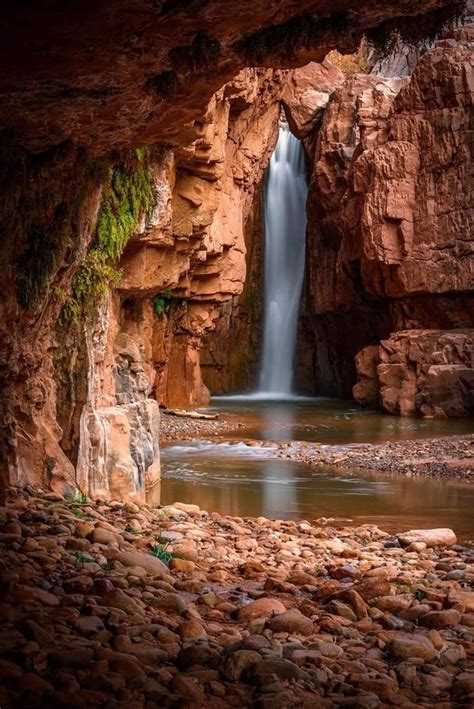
(248, 480)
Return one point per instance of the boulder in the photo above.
(151, 564)
(292, 621)
(443, 537)
(261, 608)
(405, 647)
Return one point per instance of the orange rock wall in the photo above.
(390, 215)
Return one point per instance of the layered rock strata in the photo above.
(390, 215)
(126, 79)
(427, 372)
(185, 259)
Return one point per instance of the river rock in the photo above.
(291, 621)
(463, 598)
(261, 608)
(405, 647)
(119, 599)
(239, 662)
(441, 619)
(151, 564)
(431, 537)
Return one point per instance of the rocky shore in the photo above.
(173, 428)
(111, 604)
(448, 457)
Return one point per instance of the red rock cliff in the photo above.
(390, 217)
(80, 91)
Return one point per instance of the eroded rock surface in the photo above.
(390, 219)
(427, 372)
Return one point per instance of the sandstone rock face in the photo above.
(163, 77)
(390, 232)
(230, 354)
(306, 95)
(197, 250)
(427, 372)
(123, 458)
(134, 77)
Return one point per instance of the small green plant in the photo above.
(78, 513)
(82, 559)
(163, 303)
(160, 551)
(163, 514)
(419, 594)
(402, 587)
(80, 499)
(127, 199)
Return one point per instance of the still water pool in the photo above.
(232, 478)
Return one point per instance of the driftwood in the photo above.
(191, 414)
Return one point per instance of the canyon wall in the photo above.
(390, 225)
(81, 364)
(185, 258)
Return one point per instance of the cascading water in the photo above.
(285, 226)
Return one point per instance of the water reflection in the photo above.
(247, 480)
(241, 481)
(330, 421)
(277, 493)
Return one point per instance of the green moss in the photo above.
(89, 287)
(126, 200)
(40, 216)
(129, 197)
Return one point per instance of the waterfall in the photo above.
(285, 226)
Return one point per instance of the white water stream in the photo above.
(285, 226)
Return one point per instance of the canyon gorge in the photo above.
(134, 152)
(237, 354)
